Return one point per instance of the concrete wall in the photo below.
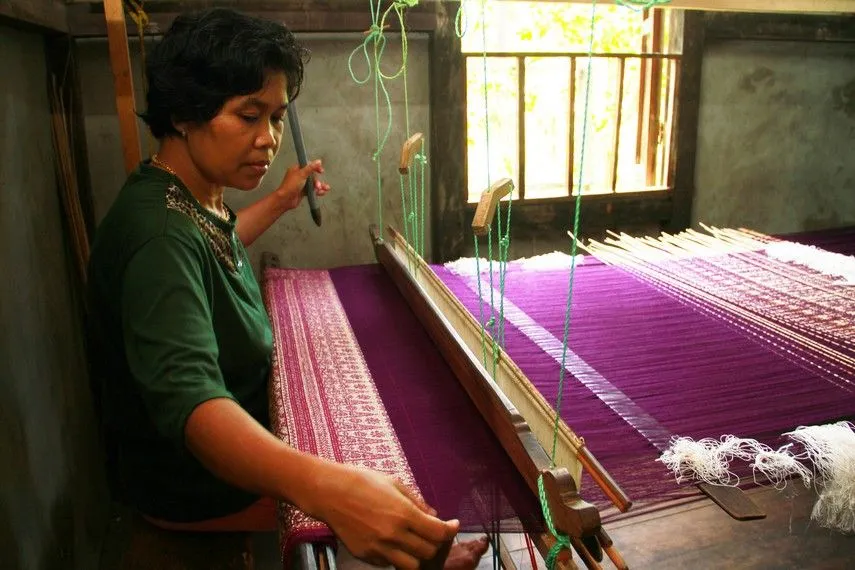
(52, 495)
(777, 136)
(338, 121)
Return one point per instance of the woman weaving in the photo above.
(181, 340)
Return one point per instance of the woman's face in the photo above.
(236, 147)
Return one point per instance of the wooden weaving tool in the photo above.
(411, 148)
(302, 158)
(486, 210)
(516, 412)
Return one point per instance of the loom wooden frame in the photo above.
(516, 412)
(76, 19)
(522, 422)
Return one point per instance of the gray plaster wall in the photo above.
(53, 499)
(776, 142)
(338, 122)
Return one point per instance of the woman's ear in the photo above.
(181, 128)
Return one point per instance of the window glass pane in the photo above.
(550, 26)
(630, 174)
(600, 130)
(547, 126)
(502, 107)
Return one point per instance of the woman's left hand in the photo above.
(291, 190)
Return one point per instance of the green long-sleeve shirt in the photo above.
(178, 319)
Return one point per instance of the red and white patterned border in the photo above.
(323, 399)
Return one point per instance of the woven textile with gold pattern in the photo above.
(369, 370)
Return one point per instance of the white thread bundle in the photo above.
(831, 449)
(708, 460)
(547, 261)
(779, 466)
(825, 262)
(700, 460)
(466, 266)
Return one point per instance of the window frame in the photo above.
(652, 58)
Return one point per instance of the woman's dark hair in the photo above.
(210, 56)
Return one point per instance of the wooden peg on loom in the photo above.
(579, 520)
(486, 209)
(411, 148)
(369, 31)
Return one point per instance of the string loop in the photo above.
(562, 541)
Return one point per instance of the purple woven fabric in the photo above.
(657, 363)
(458, 464)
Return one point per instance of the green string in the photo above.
(574, 241)
(377, 39)
(492, 318)
(422, 161)
(460, 23)
(641, 4)
(561, 540)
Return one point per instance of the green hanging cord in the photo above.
(562, 540)
(460, 23)
(641, 4)
(406, 222)
(480, 298)
(422, 161)
(375, 37)
(504, 246)
(574, 242)
(492, 319)
(489, 322)
(413, 215)
(377, 40)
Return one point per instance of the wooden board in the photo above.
(733, 501)
(120, 63)
(769, 6)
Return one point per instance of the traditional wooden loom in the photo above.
(517, 414)
(515, 411)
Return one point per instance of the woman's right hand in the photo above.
(378, 519)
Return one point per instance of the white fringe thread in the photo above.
(826, 262)
(830, 449)
(466, 266)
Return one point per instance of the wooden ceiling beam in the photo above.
(49, 15)
(757, 6)
(86, 19)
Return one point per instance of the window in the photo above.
(536, 68)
